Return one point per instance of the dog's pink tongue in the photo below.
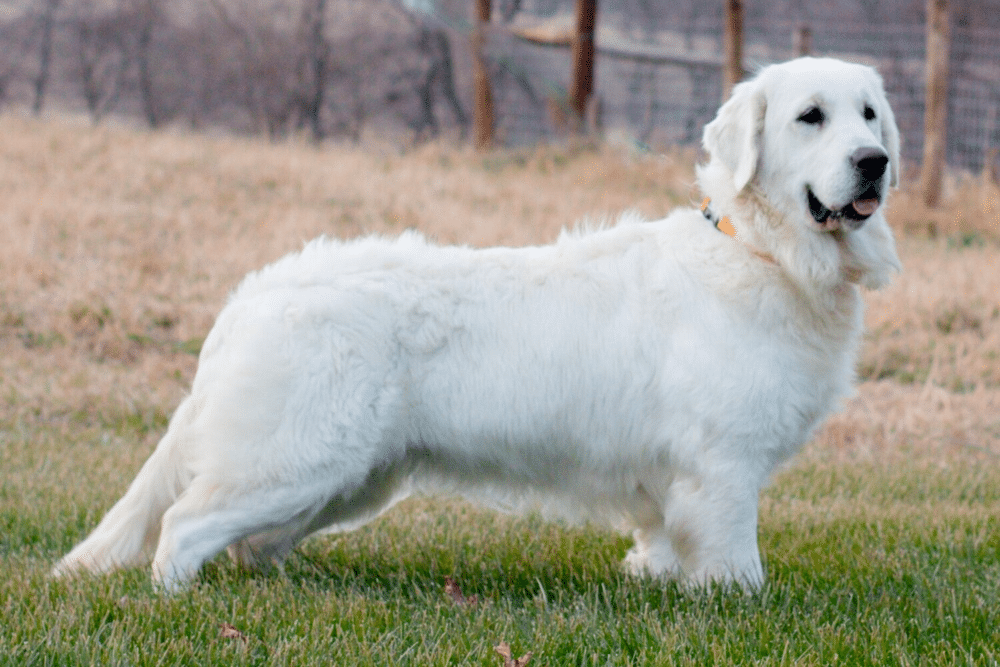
(865, 207)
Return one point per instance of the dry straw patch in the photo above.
(118, 247)
(931, 358)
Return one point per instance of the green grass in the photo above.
(866, 564)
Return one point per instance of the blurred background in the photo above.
(404, 70)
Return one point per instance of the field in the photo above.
(118, 247)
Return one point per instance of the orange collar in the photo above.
(722, 224)
(725, 226)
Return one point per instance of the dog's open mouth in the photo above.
(853, 215)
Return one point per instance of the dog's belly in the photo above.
(520, 476)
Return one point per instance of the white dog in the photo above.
(651, 374)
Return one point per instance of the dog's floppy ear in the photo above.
(890, 133)
(734, 137)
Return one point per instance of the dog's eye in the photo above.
(813, 116)
(869, 113)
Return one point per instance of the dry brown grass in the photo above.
(931, 359)
(117, 248)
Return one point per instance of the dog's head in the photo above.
(805, 152)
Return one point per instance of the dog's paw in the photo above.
(641, 562)
(636, 562)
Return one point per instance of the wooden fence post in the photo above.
(936, 108)
(732, 44)
(802, 40)
(482, 114)
(583, 60)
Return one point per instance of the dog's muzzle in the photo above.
(869, 164)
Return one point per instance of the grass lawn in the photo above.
(866, 564)
(881, 541)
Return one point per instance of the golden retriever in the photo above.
(651, 374)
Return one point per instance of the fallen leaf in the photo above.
(503, 648)
(230, 632)
(452, 588)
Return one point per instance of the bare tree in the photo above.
(323, 67)
(366, 66)
(430, 80)
(434, 43)
(205, 67)
(268, 59)
(146, 16)
(102, 55)
(15, 42)
(47, 22)
(313, 66)
(301, 66)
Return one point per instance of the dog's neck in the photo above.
(758, 224)
(725, 225)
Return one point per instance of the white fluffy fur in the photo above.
(651, 375)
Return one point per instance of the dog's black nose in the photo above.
(870, 161)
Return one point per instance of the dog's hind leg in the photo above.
(346, 509)
(213, 514)
(653, 553)
(266, 549)
(261, 526)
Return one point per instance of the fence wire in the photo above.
(663, 92)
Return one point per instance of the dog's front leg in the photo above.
(708, 534)
(712, 522)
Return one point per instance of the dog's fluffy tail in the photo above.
(128, 533)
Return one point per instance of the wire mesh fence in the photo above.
(663, 92)
(402, 68)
